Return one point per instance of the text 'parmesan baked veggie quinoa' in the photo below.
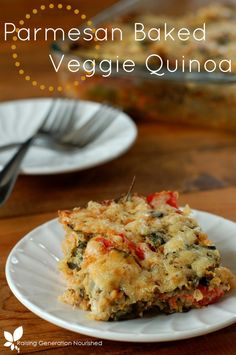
(123, 257)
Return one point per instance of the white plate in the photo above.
(19, 119)
(32, 274)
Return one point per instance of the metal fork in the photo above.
(74, 139)
(92, 128)
(55, 123)
(58, 124)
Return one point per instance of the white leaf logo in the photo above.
(17, 333)
(8, 343)
(8, 336)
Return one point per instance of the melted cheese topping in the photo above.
(132, 254)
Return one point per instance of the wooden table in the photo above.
(199, 163)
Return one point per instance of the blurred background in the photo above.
(182, 102)
(186, 130)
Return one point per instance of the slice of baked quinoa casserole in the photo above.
(123, 257)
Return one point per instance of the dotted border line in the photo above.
(15, 55)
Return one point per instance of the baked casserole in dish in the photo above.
(199, 98)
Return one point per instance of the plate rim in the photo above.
(66, 170)
(106, 334)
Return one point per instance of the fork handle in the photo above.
(9, 173)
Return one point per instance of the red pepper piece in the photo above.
(158, 198)
(210, 296)
(107, 243)
(133, 247)
(140, 253)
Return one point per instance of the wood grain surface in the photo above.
(200, 163)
